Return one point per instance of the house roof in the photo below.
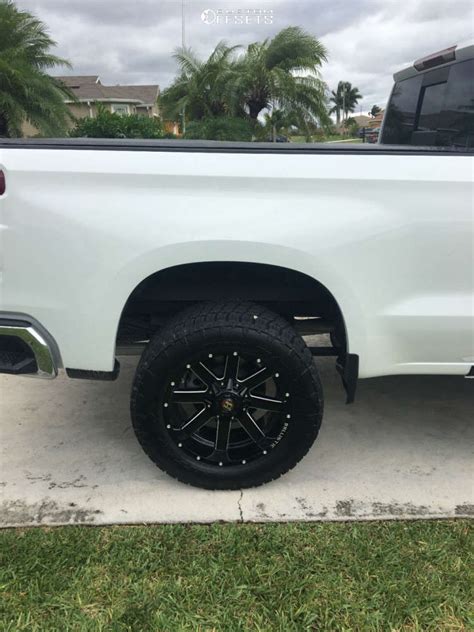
(89, 88)
(78, 80)
(361, 119)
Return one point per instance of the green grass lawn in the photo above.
(278, 577)
(302, 139)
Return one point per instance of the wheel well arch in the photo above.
(164, 293)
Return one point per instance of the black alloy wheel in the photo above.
(228, 409)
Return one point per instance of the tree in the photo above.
(351, 125)
(200, 88)
(281, 73)
(277, 122)
(374, 111)
(345, 100)
(27, 92)
(337, 99)
(112, 125)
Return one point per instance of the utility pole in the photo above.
(344, 103)
(183, 46)
(183, 24)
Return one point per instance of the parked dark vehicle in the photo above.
(278, 139)
(372, 135)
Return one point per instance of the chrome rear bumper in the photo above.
(25, 351)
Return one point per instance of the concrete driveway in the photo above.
(403, 450)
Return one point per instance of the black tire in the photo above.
(254, 337)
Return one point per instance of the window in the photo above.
(430, 105)
(120, 108)
(400, 118)
(432, 102)
(456, 125)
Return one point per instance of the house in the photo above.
(376, 121)
(362, 120)
(90, 92)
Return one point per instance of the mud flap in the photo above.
(348, 368)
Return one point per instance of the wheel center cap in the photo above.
(228, 404)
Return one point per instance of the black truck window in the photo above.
(456, 121)
(400, 118)
(433, 109)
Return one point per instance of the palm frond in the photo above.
(27, 92)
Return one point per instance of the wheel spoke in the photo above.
(195, 423)
(266, 403)
(188, 397)
(222, 434)
(262, 375)
(220, 454)
(251, 427)
(231, 367)
(204, 374)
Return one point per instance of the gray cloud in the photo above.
(132, 41)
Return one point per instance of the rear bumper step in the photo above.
(25, 351)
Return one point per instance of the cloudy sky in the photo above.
(131, 41)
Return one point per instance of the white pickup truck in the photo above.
(213, 260)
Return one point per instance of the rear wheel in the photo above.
(226, 396)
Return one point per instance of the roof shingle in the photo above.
(89, 88)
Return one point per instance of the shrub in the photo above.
(220, 128)
(111, 125)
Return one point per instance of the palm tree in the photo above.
(374, 111)
(200, 87)
(345, 100)
(337, 99)
(276, 122)
(282, 73)
(277, 74)
(27, 92)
